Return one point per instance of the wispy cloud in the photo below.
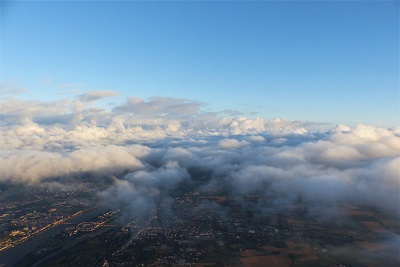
(11, 89)
(70, 85)
(96, 95)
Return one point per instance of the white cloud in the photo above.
(255, 138)
(160, 106)
(231, 143)
(157, 140)
(33, 166)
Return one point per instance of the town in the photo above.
(197, 227)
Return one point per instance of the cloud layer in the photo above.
(150, 145)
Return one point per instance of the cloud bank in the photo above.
(150, 146)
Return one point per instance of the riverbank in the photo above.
(12, 255)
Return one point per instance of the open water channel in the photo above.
(11, 256)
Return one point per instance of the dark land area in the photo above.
(195, 224)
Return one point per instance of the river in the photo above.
(12, 255)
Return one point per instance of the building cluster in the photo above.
(38, 210)
(191, 227)
(91, 225)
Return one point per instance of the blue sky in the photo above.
(335, 62)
